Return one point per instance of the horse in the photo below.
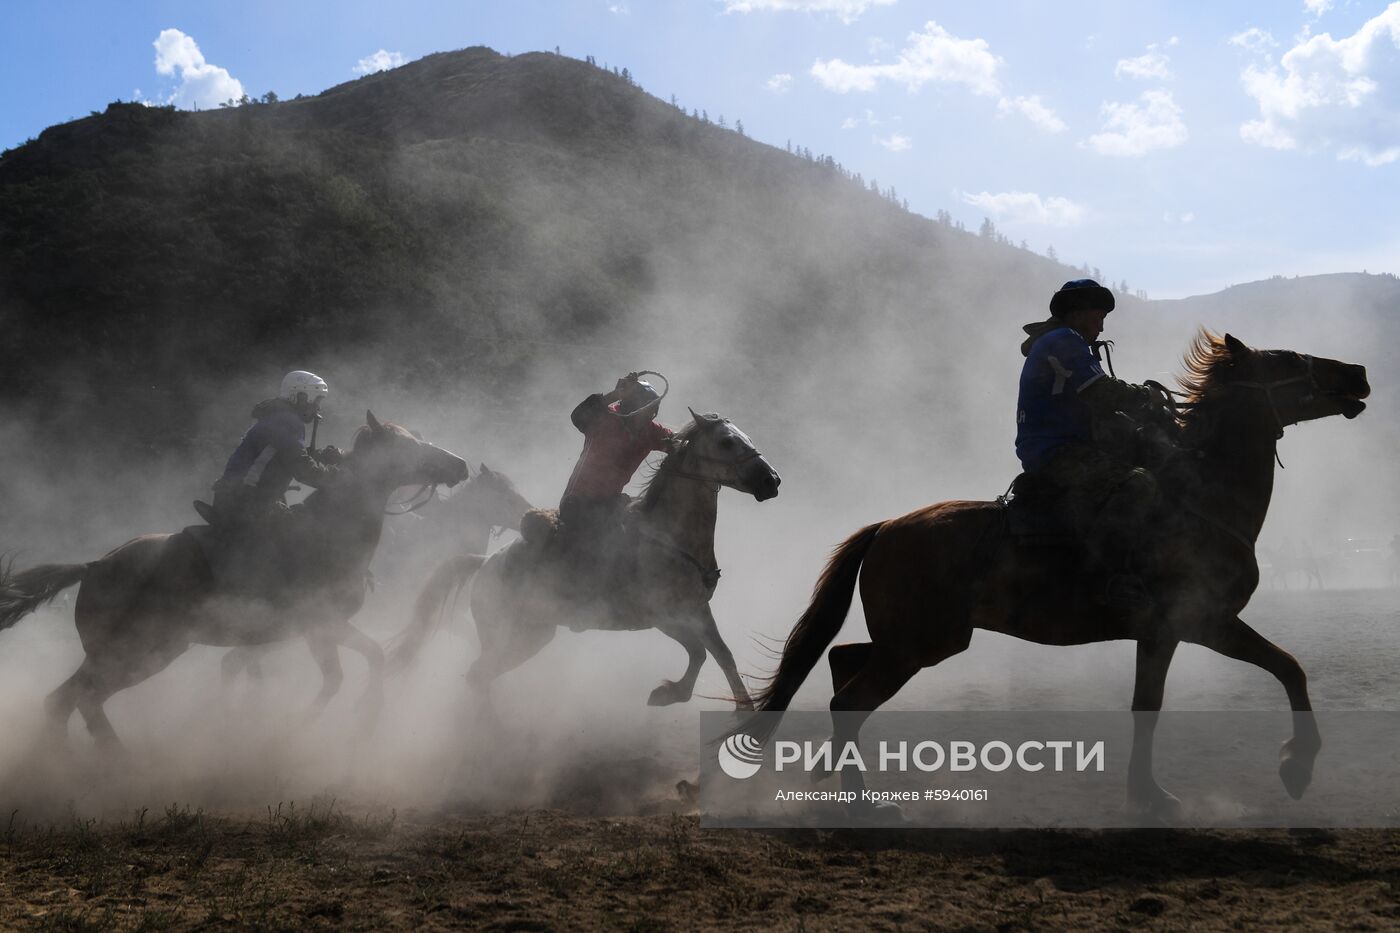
(521, 594)
(143, 604)
(930, 578)
(487, 501)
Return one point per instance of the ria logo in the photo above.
(740, 756)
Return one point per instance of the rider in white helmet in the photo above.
(273, 452)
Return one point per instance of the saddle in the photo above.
(586, 568)
(1035, 515)
(250, 557)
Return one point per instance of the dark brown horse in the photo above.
(930, 578)
(142, 605)
(466, 522)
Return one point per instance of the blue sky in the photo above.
(1183, 147)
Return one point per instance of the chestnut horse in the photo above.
(930, 578)
(141, 606)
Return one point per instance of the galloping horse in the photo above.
(521, 595)
(143, 605)
(929, 578)
(487, 501)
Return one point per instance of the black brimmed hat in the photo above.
(1080, 293)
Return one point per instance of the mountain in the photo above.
(470, 242)
(460, 214)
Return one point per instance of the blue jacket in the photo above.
(273, 453)
(1050, 411)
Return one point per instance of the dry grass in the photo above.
(319, 866)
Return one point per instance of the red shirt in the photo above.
(611, 454)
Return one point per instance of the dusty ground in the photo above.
(319, 867)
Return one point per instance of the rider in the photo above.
(618, 433)
(273, 452)
(1065, 412)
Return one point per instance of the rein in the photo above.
(709, 575)
(429, 488)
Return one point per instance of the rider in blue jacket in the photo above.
(1066, 402)
(273, 452)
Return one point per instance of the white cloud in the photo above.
(895, 142)
(1028, 207)
(1034, 110)
(1184, 218)
(1133, 129)
(1317, 7)
(847, 10)
(619, 9)
(379, 61)
(933, 55)
(869, 119)
(1253, 39)
(1341, 95)
(1151, 65)
(780, 84)
(201, 84)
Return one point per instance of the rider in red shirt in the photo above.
(618, 433)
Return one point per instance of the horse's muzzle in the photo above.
(762, 480)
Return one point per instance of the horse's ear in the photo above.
(372, 421)
(693, 416)
(485, 470)
(1235, 345)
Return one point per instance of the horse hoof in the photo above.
(1158, 806)
(1296, 775)
(667, 694)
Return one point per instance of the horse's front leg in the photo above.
(1145, 795)
(725, 659)
(685, 631)
(1237, 640)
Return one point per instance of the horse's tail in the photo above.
(439, 593)
(831, 600)
(21, 593)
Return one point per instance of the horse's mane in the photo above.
(1205, 363)
(658, 477)
(365, 432)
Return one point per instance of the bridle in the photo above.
(1268, 389)
(429, 488)
(734, 465)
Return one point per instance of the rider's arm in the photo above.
(588, 411)
(1106, 395)
(307, 471)
(662, 438)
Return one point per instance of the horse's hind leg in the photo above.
(60, 704)
(877, 681)
(846, 661)
(112, 674)
(1144, 793)
(1237, 640)
(242, 660)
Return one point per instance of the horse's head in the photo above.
(714, 449)
(391, 456)
(494, 500)
(1293, 387)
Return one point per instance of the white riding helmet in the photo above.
(303, 383)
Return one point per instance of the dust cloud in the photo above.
(905, 396)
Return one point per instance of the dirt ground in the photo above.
(318, 866)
